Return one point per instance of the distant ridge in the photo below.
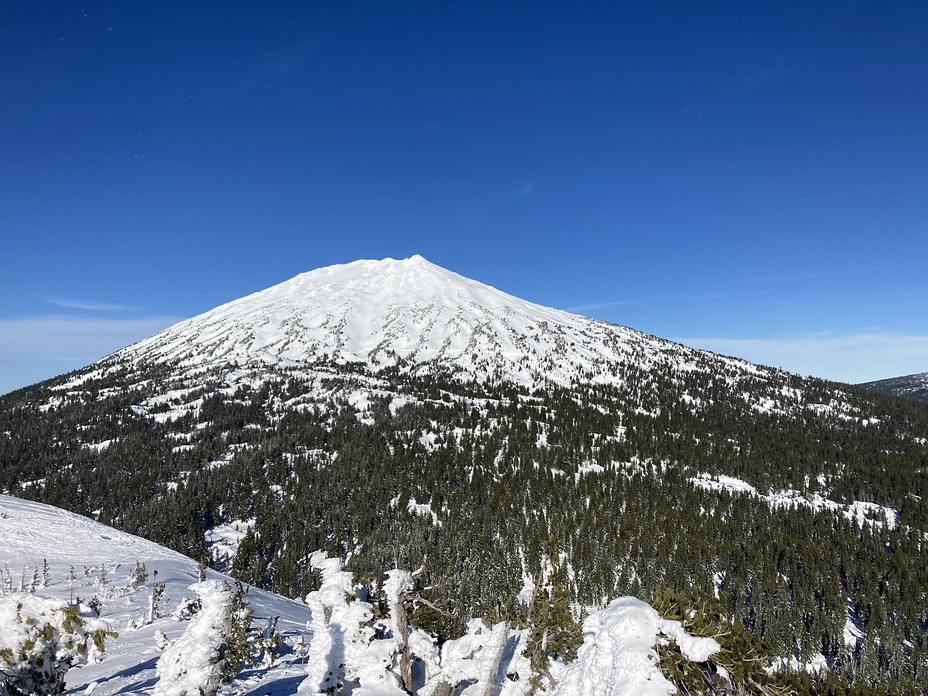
(910, 386)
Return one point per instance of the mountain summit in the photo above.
(413, 312)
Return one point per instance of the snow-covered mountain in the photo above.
(376, 312)
(395, 413)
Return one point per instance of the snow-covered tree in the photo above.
(620, 652)
(215, 646)
(553, 633)
(740, 664)
(362, 635)
(41, 639)
(474, 660)
(341, 629)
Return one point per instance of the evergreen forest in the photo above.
(796, 502)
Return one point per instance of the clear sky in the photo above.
(748, 177)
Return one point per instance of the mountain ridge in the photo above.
(914, 386)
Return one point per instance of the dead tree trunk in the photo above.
(402, 625)
(494, 666)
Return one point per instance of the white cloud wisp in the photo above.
(853, 358)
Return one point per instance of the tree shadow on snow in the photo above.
(134, 669)
(136, 687)
(130, 671)
(280, 687)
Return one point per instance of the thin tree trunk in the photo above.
(402, 625)
(491, 675)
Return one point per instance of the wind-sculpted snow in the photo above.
(379, 312)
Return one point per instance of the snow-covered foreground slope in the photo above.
(104, 562)
(376, 312)
(331, 642)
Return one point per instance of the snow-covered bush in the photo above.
(740, 665)
(218, 642)
(371, 648)
(619, 656)
(41, 639)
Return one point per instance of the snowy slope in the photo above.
(377, 311)
(104, 561)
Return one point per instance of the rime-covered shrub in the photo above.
(41, 639)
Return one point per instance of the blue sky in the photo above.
(748, 177)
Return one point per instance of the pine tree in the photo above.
(219, 641)
(553, 633)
